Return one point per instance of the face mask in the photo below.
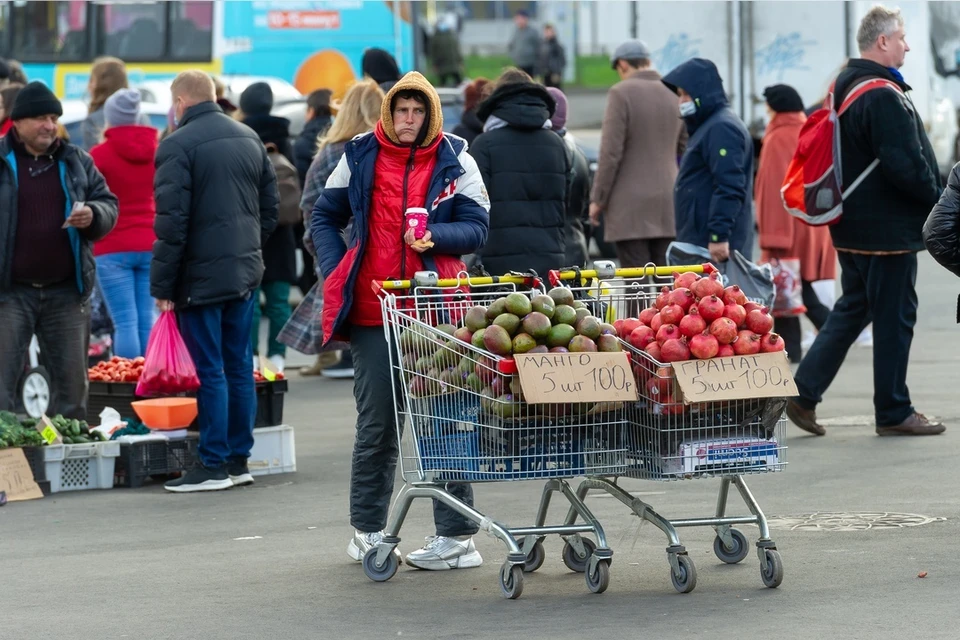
(687, 109)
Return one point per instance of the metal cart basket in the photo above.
(668, 440)
(461, 417)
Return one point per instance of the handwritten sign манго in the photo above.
(576, 377)
(764, 375)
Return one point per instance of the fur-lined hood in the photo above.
(413, 81)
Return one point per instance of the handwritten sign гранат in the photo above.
(16, 478)
(764, 375)
(576, 377)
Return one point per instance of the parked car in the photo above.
(75, 112)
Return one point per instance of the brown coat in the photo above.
(642, 138)
(782, 235)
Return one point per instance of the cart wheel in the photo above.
(772, 570)
(385, 571)
(687, 580)
(737, 552)
(511, 580)
(573, 560)
(599, 579)
(35, 392)
(535, 558)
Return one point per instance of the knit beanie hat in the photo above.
(783, 98)
(4, 69)
(257, 99)
(35, 100)
(559, 117)
(380, 66)
(122, 108)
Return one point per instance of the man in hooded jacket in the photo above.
(406, 162)
(529, 172)
(714, 188)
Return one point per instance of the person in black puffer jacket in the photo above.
(941, 233)
(279, 252)
(217, 204)
(528, 172)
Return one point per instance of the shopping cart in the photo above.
(668, 440)
(461, 417)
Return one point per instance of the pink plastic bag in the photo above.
(167, 368)
(786, 279)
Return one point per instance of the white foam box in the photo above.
(274, 451)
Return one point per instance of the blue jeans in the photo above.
(218, 339)
(125, 283)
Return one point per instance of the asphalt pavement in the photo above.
(858, 519)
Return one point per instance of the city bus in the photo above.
(308, 44)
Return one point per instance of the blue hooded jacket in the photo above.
(714, 190)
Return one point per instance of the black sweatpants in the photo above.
(376, 447)
(881, 289)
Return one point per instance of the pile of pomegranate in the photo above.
(698, 319)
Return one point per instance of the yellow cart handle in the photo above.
(430, 279)
(606, 270)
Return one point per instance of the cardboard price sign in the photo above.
(765, 375)
(576, 377)
(16, 478)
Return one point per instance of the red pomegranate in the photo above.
(760, 321)
(618, 326)
(656, 322)
(771, 343)
(747, 344)
(647, 315)
(629, 324)
(733, 295)
(692, 323)
(724, 330)
(641, 336)
(674, 350)
(703, 346)
(708, 286)
(725, 351)
(684, 280)
(653, 350)
(736, 313)
(668, 332)
(750, 306)
(663, 299)
(710, 308)
(671, 314)
(682, 297)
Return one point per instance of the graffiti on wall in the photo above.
(679, 48)
(785, 53)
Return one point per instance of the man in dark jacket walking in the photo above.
(528, 172)
(713, 195)
(407, 162)
(879, 235)
(319, 118)
(54, 204)
(213, 217)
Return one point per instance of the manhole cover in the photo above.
(857, 521)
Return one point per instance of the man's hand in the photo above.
(81, 218)
(719, 251)
(165, 305)
(420, 245)
(595, 214)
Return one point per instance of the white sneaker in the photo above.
(278, 362)
(442, 553)
(865, 339)
(363, 542)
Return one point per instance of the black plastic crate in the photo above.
(270, 403)
(34, 456)
(141, 460)
(119, 395)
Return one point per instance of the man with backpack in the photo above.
(890, 183)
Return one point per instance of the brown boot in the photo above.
(915, 425)
(806, 419)
(324, 360)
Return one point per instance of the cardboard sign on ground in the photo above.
(16, 477)
(576, 377)
(765, 375)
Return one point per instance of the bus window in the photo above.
(132, 31)
(49, 30)
(191, 31)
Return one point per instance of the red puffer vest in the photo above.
(400, 181)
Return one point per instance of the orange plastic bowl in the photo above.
(166, 413)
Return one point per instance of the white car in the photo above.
(75, 112)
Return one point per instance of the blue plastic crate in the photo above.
(438, 415)
(458, 457)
